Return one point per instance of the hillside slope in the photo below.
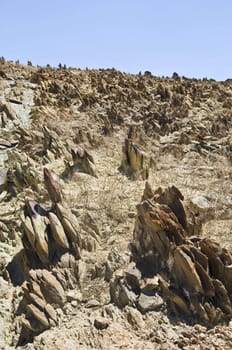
(101, 135)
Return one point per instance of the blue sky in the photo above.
(192, 38)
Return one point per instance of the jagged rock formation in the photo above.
(7, 112)
(21, 172)
(49, 262)
(43, 294)
(82, 160)
(74, 229)
(193, 275)
(135, 162)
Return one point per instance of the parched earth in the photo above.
(115, 210)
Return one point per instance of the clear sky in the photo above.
(190, 37)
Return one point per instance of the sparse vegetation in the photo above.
(180, 129)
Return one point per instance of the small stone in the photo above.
(92, 303)
(200, 328)
(74, 303)
(101, 323)
(132, 214)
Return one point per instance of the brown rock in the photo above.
(58, 231)
(149, 285)
(9, 110)
(38, 315)
(41, 241)
(173, 198)
(52, 186)
(185, 273)
(52, 289)
(82, 161)
(101, 323)
(134, 161)
(69, 227)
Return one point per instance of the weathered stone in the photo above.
(120, 294)
(3, 180)
(38, 315)
(28, 229)
(201, 204)
(149, 285)
(67, 224)
(52, 289)
(147, 193)
(9, 110)
(134, 317)
(52, 186)
(41, 241)
(185, 273)
(74, 295)
(134, 161)
(133, 276)
(149, 302)
(38, 301)
(101, 323)
(206, 280)
(173, 198)
(193, 275)
(82, 161)
(58, 231)
(51, 313)
(92, 303)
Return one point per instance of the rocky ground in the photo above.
(89, 260)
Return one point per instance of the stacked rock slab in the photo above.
(193, 275)
(43, 295)
(49, 261)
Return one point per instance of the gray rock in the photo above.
(201, 204)
(133, 276)
(149, 303)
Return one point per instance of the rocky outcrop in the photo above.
(82, 161)
(49, 263)
(7, 113)
(43, 294)
(52, 120)
(193, 275)
(21, 173)
(48, 234)
(135, 162)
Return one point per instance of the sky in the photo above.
(190, 37)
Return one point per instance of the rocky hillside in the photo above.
(116, 210)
